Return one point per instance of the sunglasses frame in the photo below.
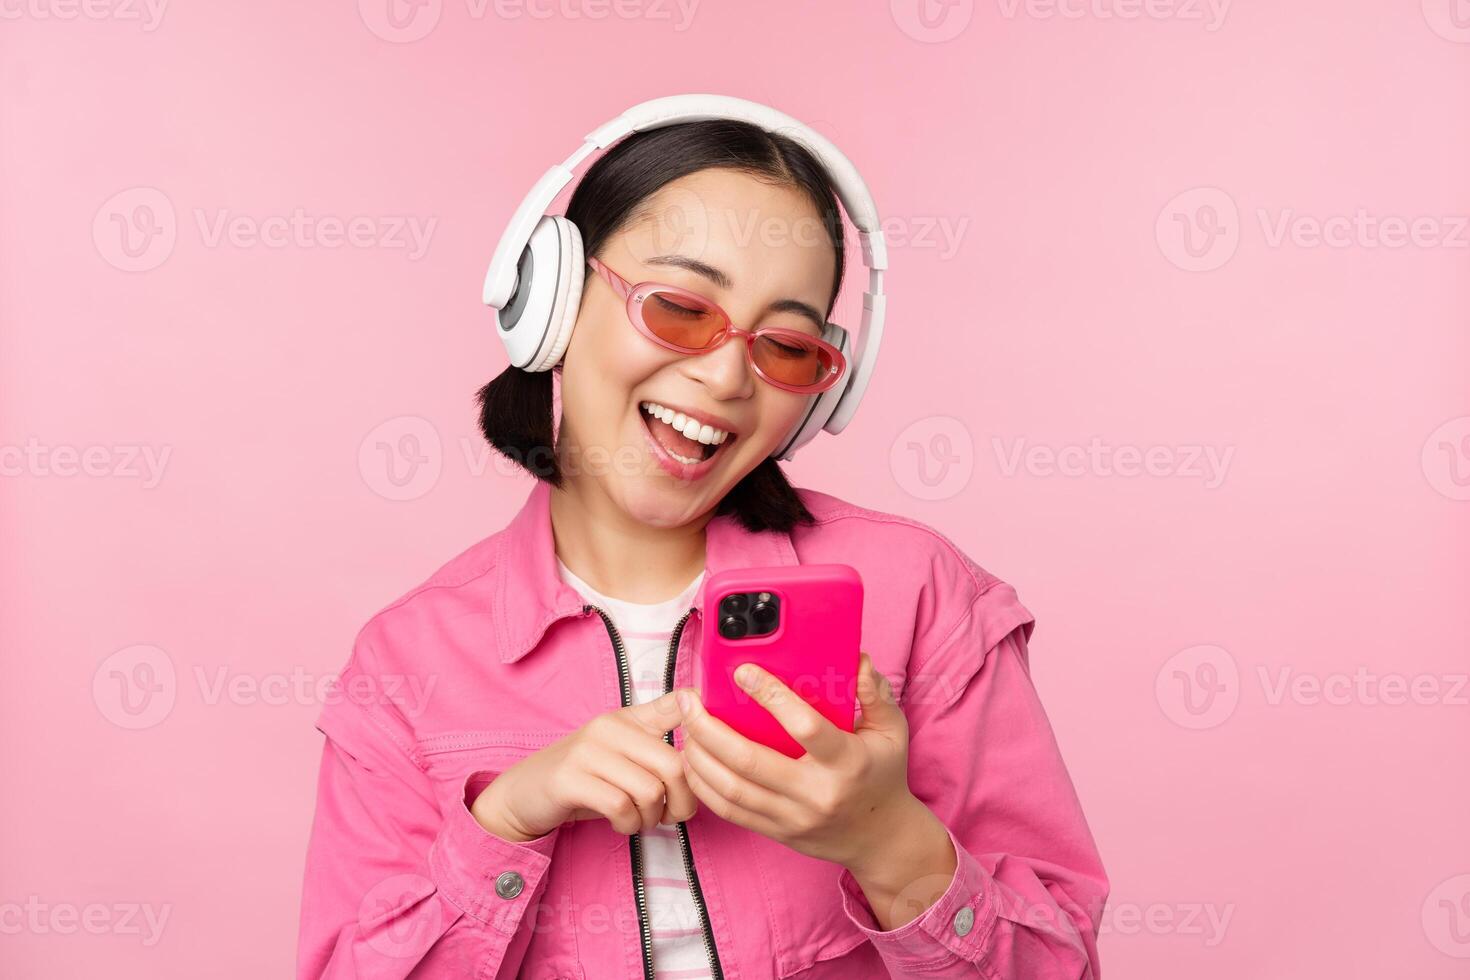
(633, 296)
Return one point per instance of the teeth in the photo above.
(692, 428)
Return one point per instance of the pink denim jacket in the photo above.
(495, 657)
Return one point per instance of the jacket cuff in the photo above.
(492, 879)
(956, 927)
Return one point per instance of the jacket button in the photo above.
(964, 921)
(509, 884)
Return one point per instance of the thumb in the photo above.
(659, 715)
(875, 695)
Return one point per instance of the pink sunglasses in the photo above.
(686, 322)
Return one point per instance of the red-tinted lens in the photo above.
(792, 358)
(683, 321)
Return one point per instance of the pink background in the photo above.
(1250, 830)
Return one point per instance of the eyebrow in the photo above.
(719, 278)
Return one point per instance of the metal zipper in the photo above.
(694, 889)
(635, 845)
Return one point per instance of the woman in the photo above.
(519, 778)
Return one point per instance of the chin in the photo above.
(659, 503)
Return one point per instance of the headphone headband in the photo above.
(501, 278)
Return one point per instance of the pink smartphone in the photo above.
(800, 622)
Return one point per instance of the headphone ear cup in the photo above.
(535, 324)
(568, 300)
(824, 404)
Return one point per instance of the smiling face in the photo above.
(759, 252)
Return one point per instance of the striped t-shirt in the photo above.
(646, 628)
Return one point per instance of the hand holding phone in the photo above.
(802, 623)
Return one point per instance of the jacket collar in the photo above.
(529, 596)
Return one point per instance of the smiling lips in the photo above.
(688, 445)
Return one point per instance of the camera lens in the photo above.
(764, 615)
(732, 627)
(734, 604)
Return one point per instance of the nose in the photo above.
(724, 371)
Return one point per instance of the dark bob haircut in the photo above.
(516, 407)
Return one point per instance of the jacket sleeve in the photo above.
(1027, 895)
(397, 884)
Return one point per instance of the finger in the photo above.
(599, 799)
(734, 813)
(758, 763)
(657, 716)
(802, 722)
(880, 708)
(680, 803)
(662, 759)
(733, 787)
(644, 788)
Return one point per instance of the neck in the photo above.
(618, 555)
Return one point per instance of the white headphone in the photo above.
(535, 278)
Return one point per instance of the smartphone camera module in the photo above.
(749, 614)
(734, 604)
